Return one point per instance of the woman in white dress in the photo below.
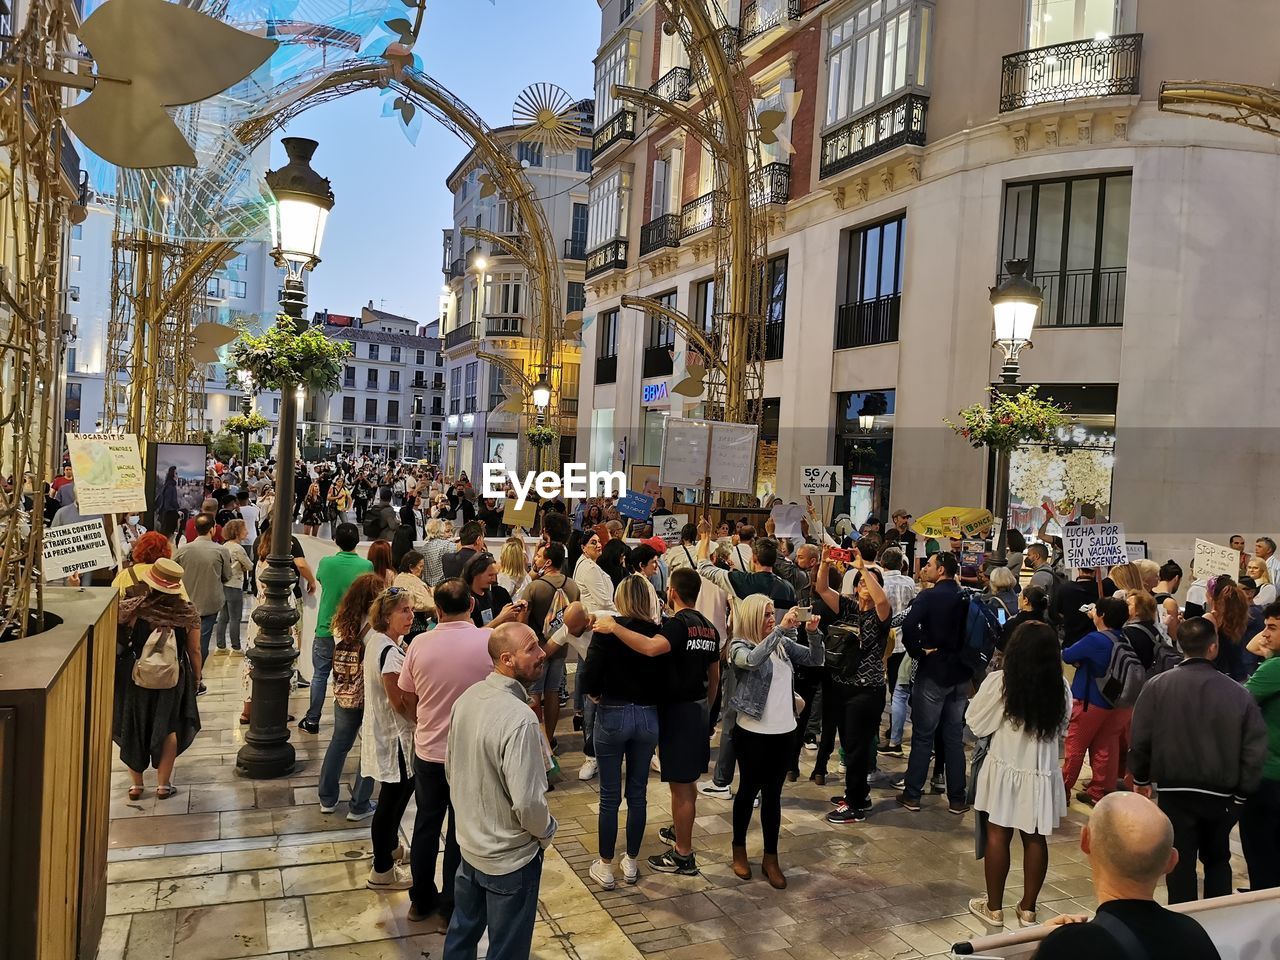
(1024, 709)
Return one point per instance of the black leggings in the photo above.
(384, 829)
(807, 683)
(763, 761)
(833, 709)
(863, 707)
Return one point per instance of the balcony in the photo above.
(460, 335)
(621, 126)
(771, 184)
(663, 231)
(703, 212)
(607, 369)
(611, 256)
(1106, 67)
(869, 322)
(896, 123)
(1081, 298)
(773, 340)
(69, 159)
(657, 361)
(799, 9)
(437, 383)
(729, 42)
(758, 18)
(673, 85)
(419, 383)
(575, 249)
(504, 325)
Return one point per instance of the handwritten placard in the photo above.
(108, 472)
(693, 450)
(1215, 560)
(1094, 545)
(635, 506)
(668, 526)
(786, 519)
(523, 517)
(76, 548)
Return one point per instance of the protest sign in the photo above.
(822, 481)
(108, 472)
(1136, 550)
(668, 526)
(1214, 560)
(76, 548)
(519, 516)
(786, 519)
(635, 506)
(694, 451)
(1094, 544)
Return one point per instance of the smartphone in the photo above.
(803, 613)
(839, 554)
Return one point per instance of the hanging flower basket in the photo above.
(251, 424)
(1010, 421)
(281, 358)
(541, 436)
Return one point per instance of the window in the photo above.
(421, 358)
(576, 297)
(469, 390)
(569, 380)
(529, 153)
(775, 306)
(395, 354)
(348, 408)
(510, 290)
(71, 359)
(583, 164)
(704, 299)
(371, 381)
(875, 52)
(660, 337)
(625, 9)
(275, 407)
(578, 230)
(72, 410)
(348, 376)
(239, 289)
(1060, 21)
(508, 218)
(616, 66)
(872, 285)
(239, 262)
(371, 410)
(1075, 233)
(455, 390)
(608, 209)
(394, 381)
(77, 231)
(75, 262)
(393, 411)
(213, 287)
(607, 339)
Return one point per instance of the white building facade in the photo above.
(932, 144)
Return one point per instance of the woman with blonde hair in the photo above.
(513, 566)
(1127, 577)
(1257, 568)
(313, 511)
(433, 550)
(626, 687)
(761, 655)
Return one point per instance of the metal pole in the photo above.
(267, 752)
(1000, 495)
(246, 408)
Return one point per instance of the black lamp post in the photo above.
(246, 408)
(301, 201)
(1014, 304)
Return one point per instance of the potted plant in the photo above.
(1009, 420)
(241, 424)
(541, 435)
(282, 358)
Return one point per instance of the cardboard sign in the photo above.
(1094, 545)
(1136, 550)
(522, 517)
(786, 519)
(1215, 560)
(635, 506)
(973, 553)
(76, 548)
(668, 526)
(108, 472)
(822, 481)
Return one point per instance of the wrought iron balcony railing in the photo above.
(773, 339)
(657, 362)
(797, 9)
(1105, 67)
(607, 369)
(869, 322)
(569, 406)
(575, 249)
(611, 256)
(621, 126)
(771, 184)
(663, 231)
(457, 268)
(504, 325)
(1081, 298)
(460, 335)
(895, 123)
(674, 84)
(702, 212)
(758, 18)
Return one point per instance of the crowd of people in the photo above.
(730, 654)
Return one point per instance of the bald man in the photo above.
(1129, 843)
(497, 771)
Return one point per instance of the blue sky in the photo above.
(383, 238)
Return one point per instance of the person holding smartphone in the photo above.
(493, 605)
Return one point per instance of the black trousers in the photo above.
(806, 683)
(1201, 830)
(431, 790)
(384, 829)
(833, 705)
(1260, 836)
(763, 760)
(863, 707)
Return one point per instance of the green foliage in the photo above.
(281, 358)
(257, 451)
(253, 423)
(224, 445)
(542, 436)
(1010, 420)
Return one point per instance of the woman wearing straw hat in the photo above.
(155, 711)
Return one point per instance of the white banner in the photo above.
(76, 548)
(1094, 545)
(668, 527)
(822, 481)
(1215, 560)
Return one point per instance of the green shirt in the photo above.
(335, 575)
(1265, 687)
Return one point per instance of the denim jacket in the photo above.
(753, 667)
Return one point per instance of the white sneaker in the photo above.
(400, 854)
(630, 869)
(654, 764)
(393, 879)
(365, 814)
(588, 770)
(709, 788)
(841, 767)
(602, 873)
(328, 808)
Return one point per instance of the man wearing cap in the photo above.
(906, 536)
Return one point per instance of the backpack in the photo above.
(372, 524)
(1167, 655)
(348, 673)
(157, 666)
(981, 631)
(1125, 675)
(839, 641)
(554, 619)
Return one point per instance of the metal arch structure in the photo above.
(1242, 104)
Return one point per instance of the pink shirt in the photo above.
(440, 665)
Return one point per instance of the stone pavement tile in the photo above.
(808, 931)
(268, 795)
(115, 937)
(219, 888)
(236, 824)
(240, 796)
(324, 877)
(680, 910)
(352, 916)
(810, 951)
(762, 919)
(156, 867)
(148, 805)
(287, 924)
(278, 856)
(120, 854)
(408, 948)
(889, 946)
(151, 936)
(744, 944)
(152, 830)
(712, 950)
(922, 939)
(717, 928)
(137, 897)
(220, 932)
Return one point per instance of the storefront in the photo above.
(864, 447)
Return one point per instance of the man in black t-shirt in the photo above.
(493, 606)
(1129, 843)
(691, 646)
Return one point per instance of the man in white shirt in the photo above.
(1265, 549)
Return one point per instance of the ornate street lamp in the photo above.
(301, 201)
(1015, 303)
(541, 392)
(866, 422)
(246, 408)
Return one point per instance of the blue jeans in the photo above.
(932, 706)
(321, 667)
(631, 731)
(588, 727)
(506, 905)
(898, 712)
(230, 616)
(207, 623)
(346, 724)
